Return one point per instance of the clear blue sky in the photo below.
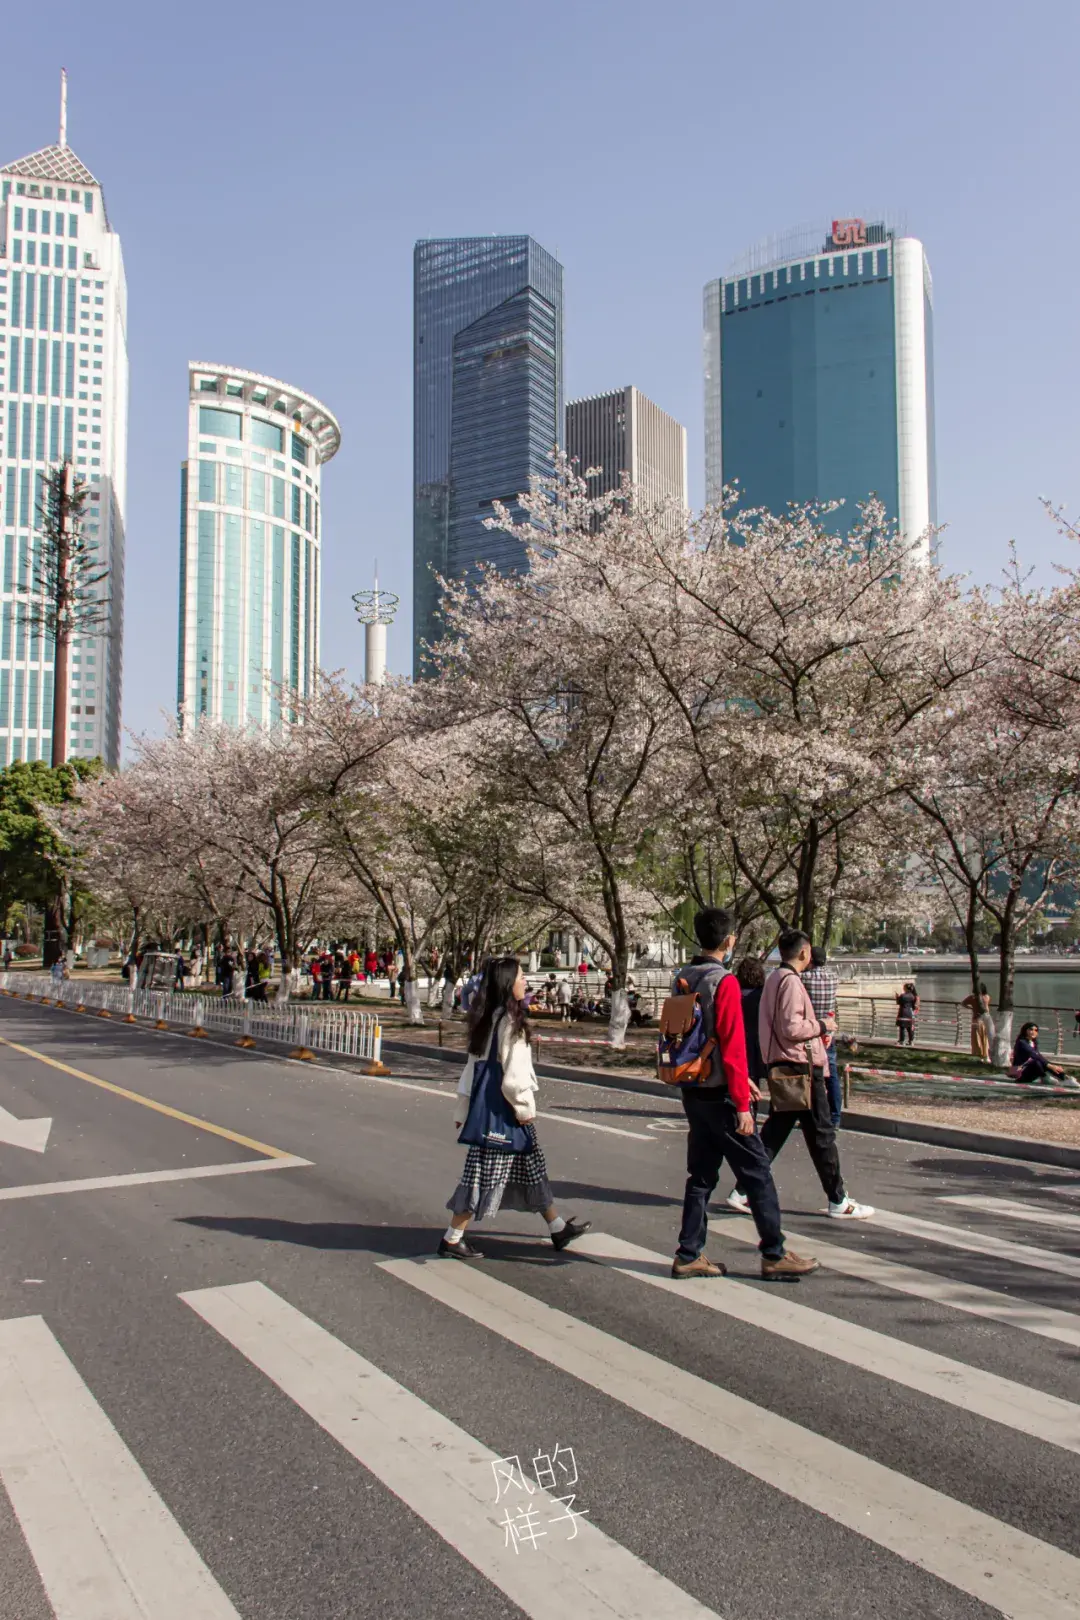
(269, 167)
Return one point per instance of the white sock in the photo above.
(454, 1234)
(556, 1225)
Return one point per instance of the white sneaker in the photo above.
(739, 1201)
(849, 1210)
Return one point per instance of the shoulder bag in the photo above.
(790, 1084)
(491, 1122)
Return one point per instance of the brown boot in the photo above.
(789, 1265)
(697, 1268)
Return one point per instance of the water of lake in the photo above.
(1033, 989)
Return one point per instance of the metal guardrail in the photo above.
(305, 1028)
(948, 1023)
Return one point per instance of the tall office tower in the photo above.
(819, 374)
(64, 398)
(488, 402)
(250, 537)
(625, 432)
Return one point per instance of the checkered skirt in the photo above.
(494, 1179)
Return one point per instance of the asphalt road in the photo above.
(237, 1384)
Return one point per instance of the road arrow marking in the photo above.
(24, 1133)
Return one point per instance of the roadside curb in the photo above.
(953, 1136)
(906, 1130)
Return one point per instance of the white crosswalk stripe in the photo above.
(1043, 1320)
(442, 1473)
(1003, 1567)
(1018, 1406)
(963, 1237)
(1013, 1210)
(105, 1545)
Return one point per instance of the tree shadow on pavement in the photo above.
(1038, 1173)
(396, 1242)
(612, 1195)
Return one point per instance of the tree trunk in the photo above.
(52, 945)
(969, 939)
(1002, 1053)
(619, 1016)
(410, 987)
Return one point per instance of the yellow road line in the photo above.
(148, 1102)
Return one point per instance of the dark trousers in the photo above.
(833, 1086)
(327, 989)
(905, 1027)
(714, 1138)
(819, 1133)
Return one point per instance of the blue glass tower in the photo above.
(819, 375)
(488, 402)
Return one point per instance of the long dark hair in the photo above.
(494, 997)
(1025, 1030)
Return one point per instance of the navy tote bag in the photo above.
(491, 1122)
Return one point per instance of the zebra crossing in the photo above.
(107, 1547)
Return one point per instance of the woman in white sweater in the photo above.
(495, 1178)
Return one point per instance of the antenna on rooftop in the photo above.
(63, 106)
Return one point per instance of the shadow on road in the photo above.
(998, 1170)
(396, 1242)
(611, 1195)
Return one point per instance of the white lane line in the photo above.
(1003, 1567)
(963, 1237)
(439, 1471)
(559, 1119)
(145, 1178)
(591, 1125)
(1017, 1406)
(105, 1544)
(1012, 1210)
(1043, 1320)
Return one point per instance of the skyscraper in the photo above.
(64, 397)
(624, 432)
(819, 374)
(250, 537)
(488, 401)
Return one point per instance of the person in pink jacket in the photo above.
(791, 1033)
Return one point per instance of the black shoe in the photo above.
(461, 1250)
(573, 1229)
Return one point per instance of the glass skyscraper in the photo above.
(488, 402)
(819, 374)
(63, 397)
(250, 539)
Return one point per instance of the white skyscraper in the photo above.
(250, 537)
(63, 396)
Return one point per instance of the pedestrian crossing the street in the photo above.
(107, 1547)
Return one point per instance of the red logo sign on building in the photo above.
(849, 233)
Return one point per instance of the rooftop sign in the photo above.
(849, 233)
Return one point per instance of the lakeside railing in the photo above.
(305, 1027)
(948, 1023)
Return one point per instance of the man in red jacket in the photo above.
(720, 1118)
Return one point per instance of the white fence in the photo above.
(305, 1027)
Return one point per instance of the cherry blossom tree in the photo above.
(568, 728)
